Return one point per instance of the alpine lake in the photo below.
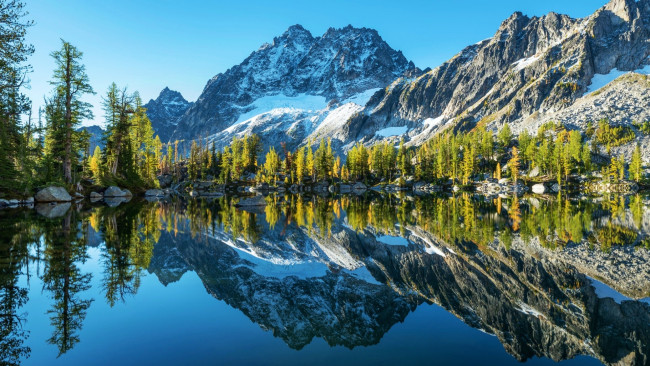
(375, 279)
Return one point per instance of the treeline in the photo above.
(553, 153)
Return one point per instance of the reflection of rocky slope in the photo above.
(535, 306)
(337, 306)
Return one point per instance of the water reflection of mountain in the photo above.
(352, 288)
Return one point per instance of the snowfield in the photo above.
(296, 117)
(266, 104)
(525, 62)
(392, 131)
(600, 80)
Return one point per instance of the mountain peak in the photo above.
(168, 94)
(165, 110)
(623, 9)
(296, 34)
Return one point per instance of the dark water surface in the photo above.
(321, 281)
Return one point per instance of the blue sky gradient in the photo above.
(147, 45)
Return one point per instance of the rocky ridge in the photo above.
(532, 68)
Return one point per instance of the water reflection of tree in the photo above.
(130, 234)
(17, 234)
(65, 248)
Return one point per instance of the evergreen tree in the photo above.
(271, 166)
(635, 164)
(118, 106)
(505, 136)
(514, 164)
(13, 69)
(71, 84)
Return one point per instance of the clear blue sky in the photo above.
(147, 45)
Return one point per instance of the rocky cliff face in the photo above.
(165, 111)
(531, 67)
(294, 83)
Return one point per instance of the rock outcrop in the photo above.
(53, 194)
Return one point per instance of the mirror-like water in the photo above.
(353, 280)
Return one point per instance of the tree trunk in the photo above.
(67, 159)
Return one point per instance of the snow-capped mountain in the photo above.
(529, 72)
(348, 84)
(165, 111)
(286, 89)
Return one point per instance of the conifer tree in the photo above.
(71, 84)
(271, 166)
(635, 164)
(514, 164)
(13, 70)
(505, 136)
(300, 165)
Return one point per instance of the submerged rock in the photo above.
(94, 196)
(154, 193)
(53, 194)
(252, 202)
(116, 201)
(52, 210)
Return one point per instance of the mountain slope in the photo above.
(297, 78)
(531, 66)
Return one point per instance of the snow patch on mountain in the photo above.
(362, 98)
(392, 131)
(600, 80)
(393, 240)
(302, 102)
(525, 62)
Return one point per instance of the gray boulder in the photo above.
(53, 194)
(539, 189)
(114, 191)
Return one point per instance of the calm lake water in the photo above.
(376, 280)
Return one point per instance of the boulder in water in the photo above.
(53, 194)
(114, 191)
